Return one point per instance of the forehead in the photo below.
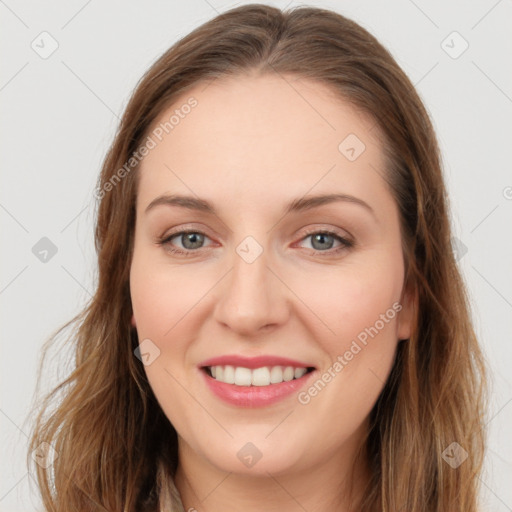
(254, 135)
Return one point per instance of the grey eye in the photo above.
(322, 241)
(190, 240)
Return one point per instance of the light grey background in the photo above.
(59, 115)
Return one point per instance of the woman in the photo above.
(279, 321)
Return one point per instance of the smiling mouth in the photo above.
(263, 376)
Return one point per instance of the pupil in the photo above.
(194, 238)
(321, 238)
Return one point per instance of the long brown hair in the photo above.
(116, 449)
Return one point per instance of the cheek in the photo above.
(168, 306)
(162, 295)
(350, 298)
(163, 300)
(360, 305)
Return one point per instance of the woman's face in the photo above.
(260, 292)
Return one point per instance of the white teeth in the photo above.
(276, 375)
(288, 373)
(263, 376)
(243, 376)
(299, 372)
(229, 374)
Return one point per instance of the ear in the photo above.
(133, 323)
(408, 315)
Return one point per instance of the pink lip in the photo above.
(254, 396)
(254, 362)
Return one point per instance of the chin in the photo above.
(254, 454)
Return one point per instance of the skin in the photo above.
(250, 146)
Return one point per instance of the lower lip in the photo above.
(254, 396)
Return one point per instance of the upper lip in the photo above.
(254, 362)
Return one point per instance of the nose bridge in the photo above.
(250, 297)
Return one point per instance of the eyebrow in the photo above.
(297, 205)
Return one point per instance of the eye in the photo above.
(323, 241)
(190, 242)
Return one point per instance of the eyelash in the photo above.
(345, 243)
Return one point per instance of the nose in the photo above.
(251, 298)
